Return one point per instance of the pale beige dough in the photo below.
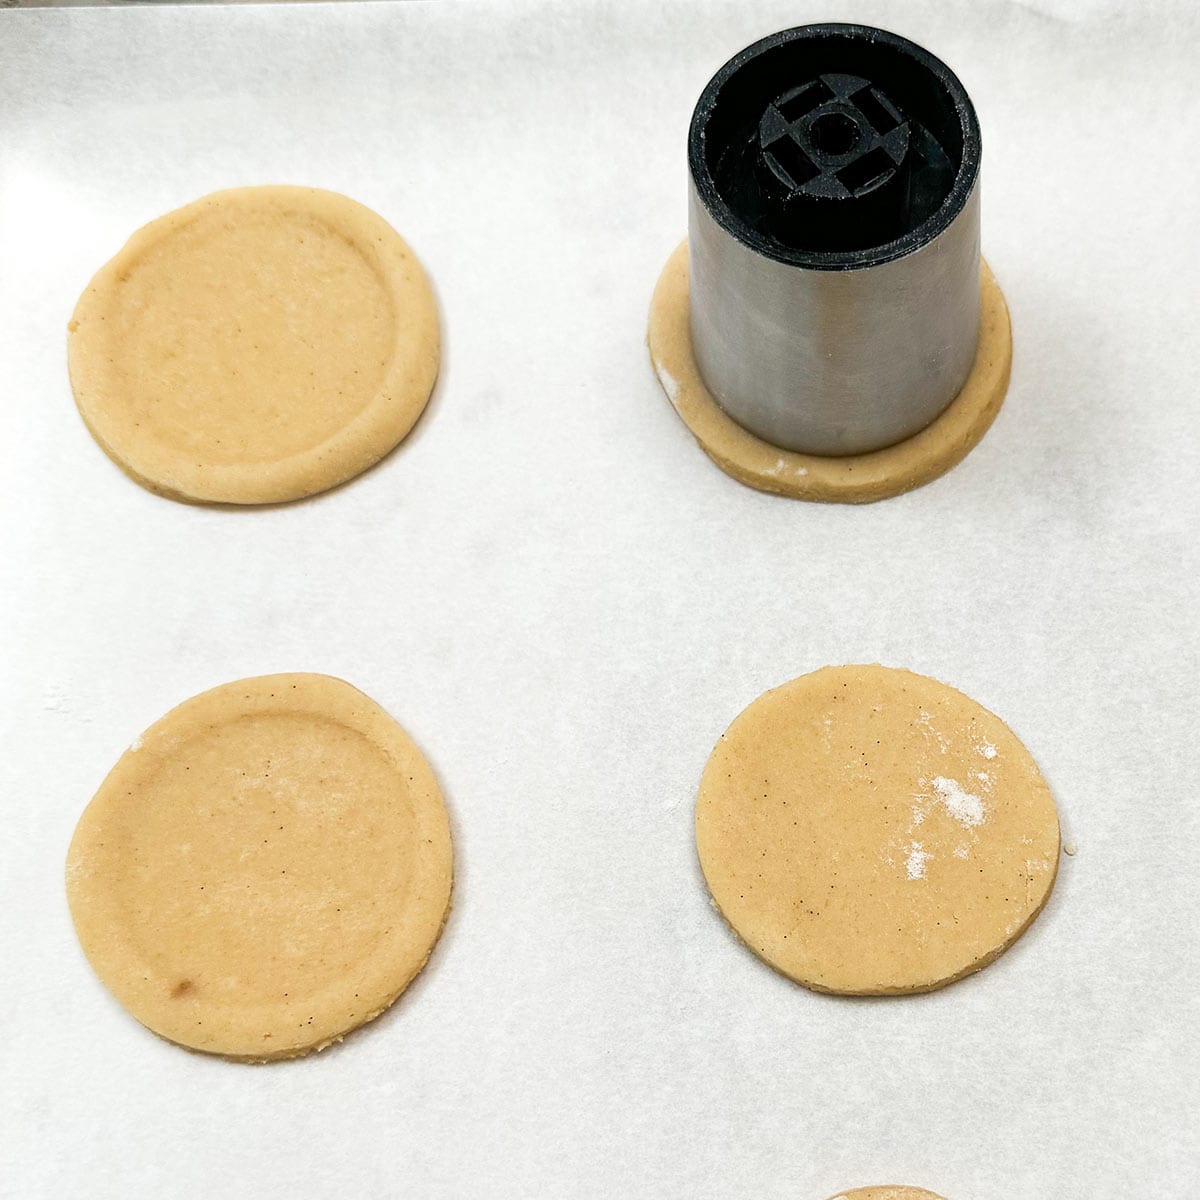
(853, 479)
(265, 869)
(259, 345)
(887, 1193)
(869, 831)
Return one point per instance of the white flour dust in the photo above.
(927, 726)
(669, 382)
(915, 863)
(963, 806)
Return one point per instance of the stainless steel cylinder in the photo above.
(834, 238)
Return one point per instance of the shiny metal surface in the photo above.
(834, 361)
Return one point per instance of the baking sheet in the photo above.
(565, 603)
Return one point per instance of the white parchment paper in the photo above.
(552, 588)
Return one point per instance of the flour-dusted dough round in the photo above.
(887, 1193)
(265, 869)
(259, 345)
(855, 478)
(869, 831)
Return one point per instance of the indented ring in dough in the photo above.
(887, 1192)
(869, 831)
(853, 479)
(265, 869)
(259, 345)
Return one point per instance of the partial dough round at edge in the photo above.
(853, 479)
(177, 875)
(121, 415)
(869, 831)
(887, 1192)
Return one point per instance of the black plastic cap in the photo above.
(834, 146)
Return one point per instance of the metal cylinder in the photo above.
(834, 238)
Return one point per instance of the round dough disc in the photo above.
(887, 1193)
(854, 478)
(259, 345)
(869, 831)
(265, 869)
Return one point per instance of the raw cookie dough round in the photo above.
(855, 478)
(887, 1193)
(259, 345)
(869, 831)
(265, 869)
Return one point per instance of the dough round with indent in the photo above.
(869, 831)
(887, 1193)
(853, 478)
(265, 869)
(259, 345)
